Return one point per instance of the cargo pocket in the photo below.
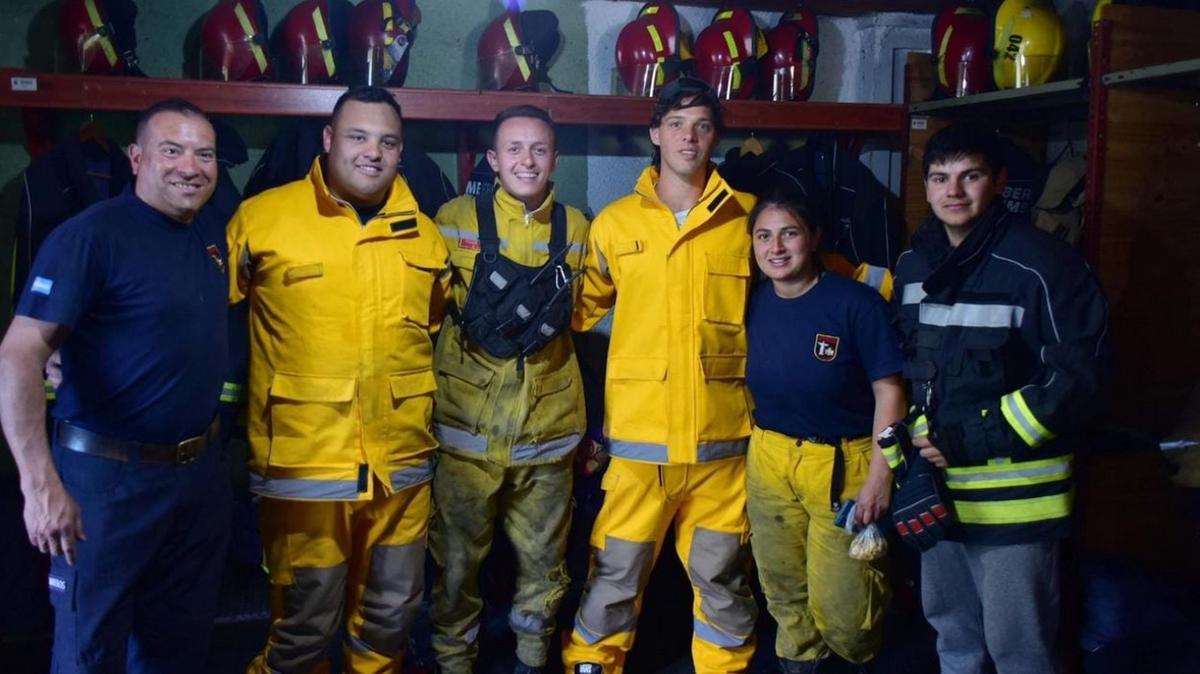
(462, 392)
(878, 596)
(726, 286)
(640, 384)
(554, 408)
(420, 273)
(726, 411)
(309, 417)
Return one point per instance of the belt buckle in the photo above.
(189, 450)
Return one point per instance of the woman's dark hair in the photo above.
(804, 210)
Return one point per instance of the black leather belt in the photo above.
(84, 441)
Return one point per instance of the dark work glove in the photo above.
(919, 512)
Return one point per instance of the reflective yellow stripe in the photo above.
(1001, 475)
(51, 392)
(893, 456)
(941, 60)
(511, 34)
(723, 15)
(1018, 415)
(731, 44)
(735, 80)
(319, 24)
(652, 9)
(919, 427)
(389, 24)
(105, 43)
(232, 393)
(248, 28)
(1017, 511)
(654, 37)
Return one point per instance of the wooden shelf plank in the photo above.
(24, 89)
(831, 7)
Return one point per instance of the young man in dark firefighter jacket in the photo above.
(1004, 333)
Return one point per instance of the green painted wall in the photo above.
(443, 57)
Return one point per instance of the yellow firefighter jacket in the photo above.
(675, 389)
(341, 315)
(484, 407)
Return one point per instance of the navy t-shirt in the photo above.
(812, 358)
(146, 300)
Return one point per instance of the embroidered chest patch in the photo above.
(468, 244)
(825, 347)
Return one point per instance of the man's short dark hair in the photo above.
(529, 111)
(177, 105)
(686, 92)
(366, 94)
(961, 140)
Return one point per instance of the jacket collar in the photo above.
(510, 206)
(952, 264)
(399, 203)
(716, 193)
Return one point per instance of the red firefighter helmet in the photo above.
(99, 35)
(233, 40)
(727, 53)
(790, 66)
(515, 49)
(653, 49)
(378, 37)
(962, 49)
(305, 41)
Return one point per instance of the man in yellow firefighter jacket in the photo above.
(346, 282)
(672, 262)
(507, 424)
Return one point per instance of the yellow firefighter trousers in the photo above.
(533, 504)
(707, 504)
(822, 599)
(361, 562)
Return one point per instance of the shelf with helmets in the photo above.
(25, 89)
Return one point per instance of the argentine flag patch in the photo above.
(41, 285)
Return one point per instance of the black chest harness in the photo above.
(513, 310)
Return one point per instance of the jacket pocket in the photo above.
(461, 391)
(554, 404)
(303, 271)
(726, 285)
(420, 273)
(726, 409)
(311, 421)
(412, 384)
(637, 395)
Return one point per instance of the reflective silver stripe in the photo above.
(460, 439)
(411, 475)
(714, 636)
(638, 451)
(589, 637)
(358, 645)
(314, 490)
(526, 622)
(875, 276)
(544, 247)
(964, 476)
(972, 315)
(913, 293)
(478, 444)
(549, 449)
(711, 451)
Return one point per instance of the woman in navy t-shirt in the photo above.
(824, 369)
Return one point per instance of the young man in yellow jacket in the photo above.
(346, 282)
(507, 424)
(672, 262)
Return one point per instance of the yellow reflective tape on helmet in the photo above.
(652, 9)
(1003, 475)
(735, 80)
(1017, 511)
(731, 44)
(655, 38)
(723, 15)
(1018, 415)
(943, 79)
(106, 44)
(513, 41)
(389, 23)
(248, 28)
(319, 23)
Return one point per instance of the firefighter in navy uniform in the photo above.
(1004, 338)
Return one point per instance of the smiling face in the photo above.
(685, 139)
(524, 158)
(784, 248)
(175, 161)
(960, 190)
(363, 145)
